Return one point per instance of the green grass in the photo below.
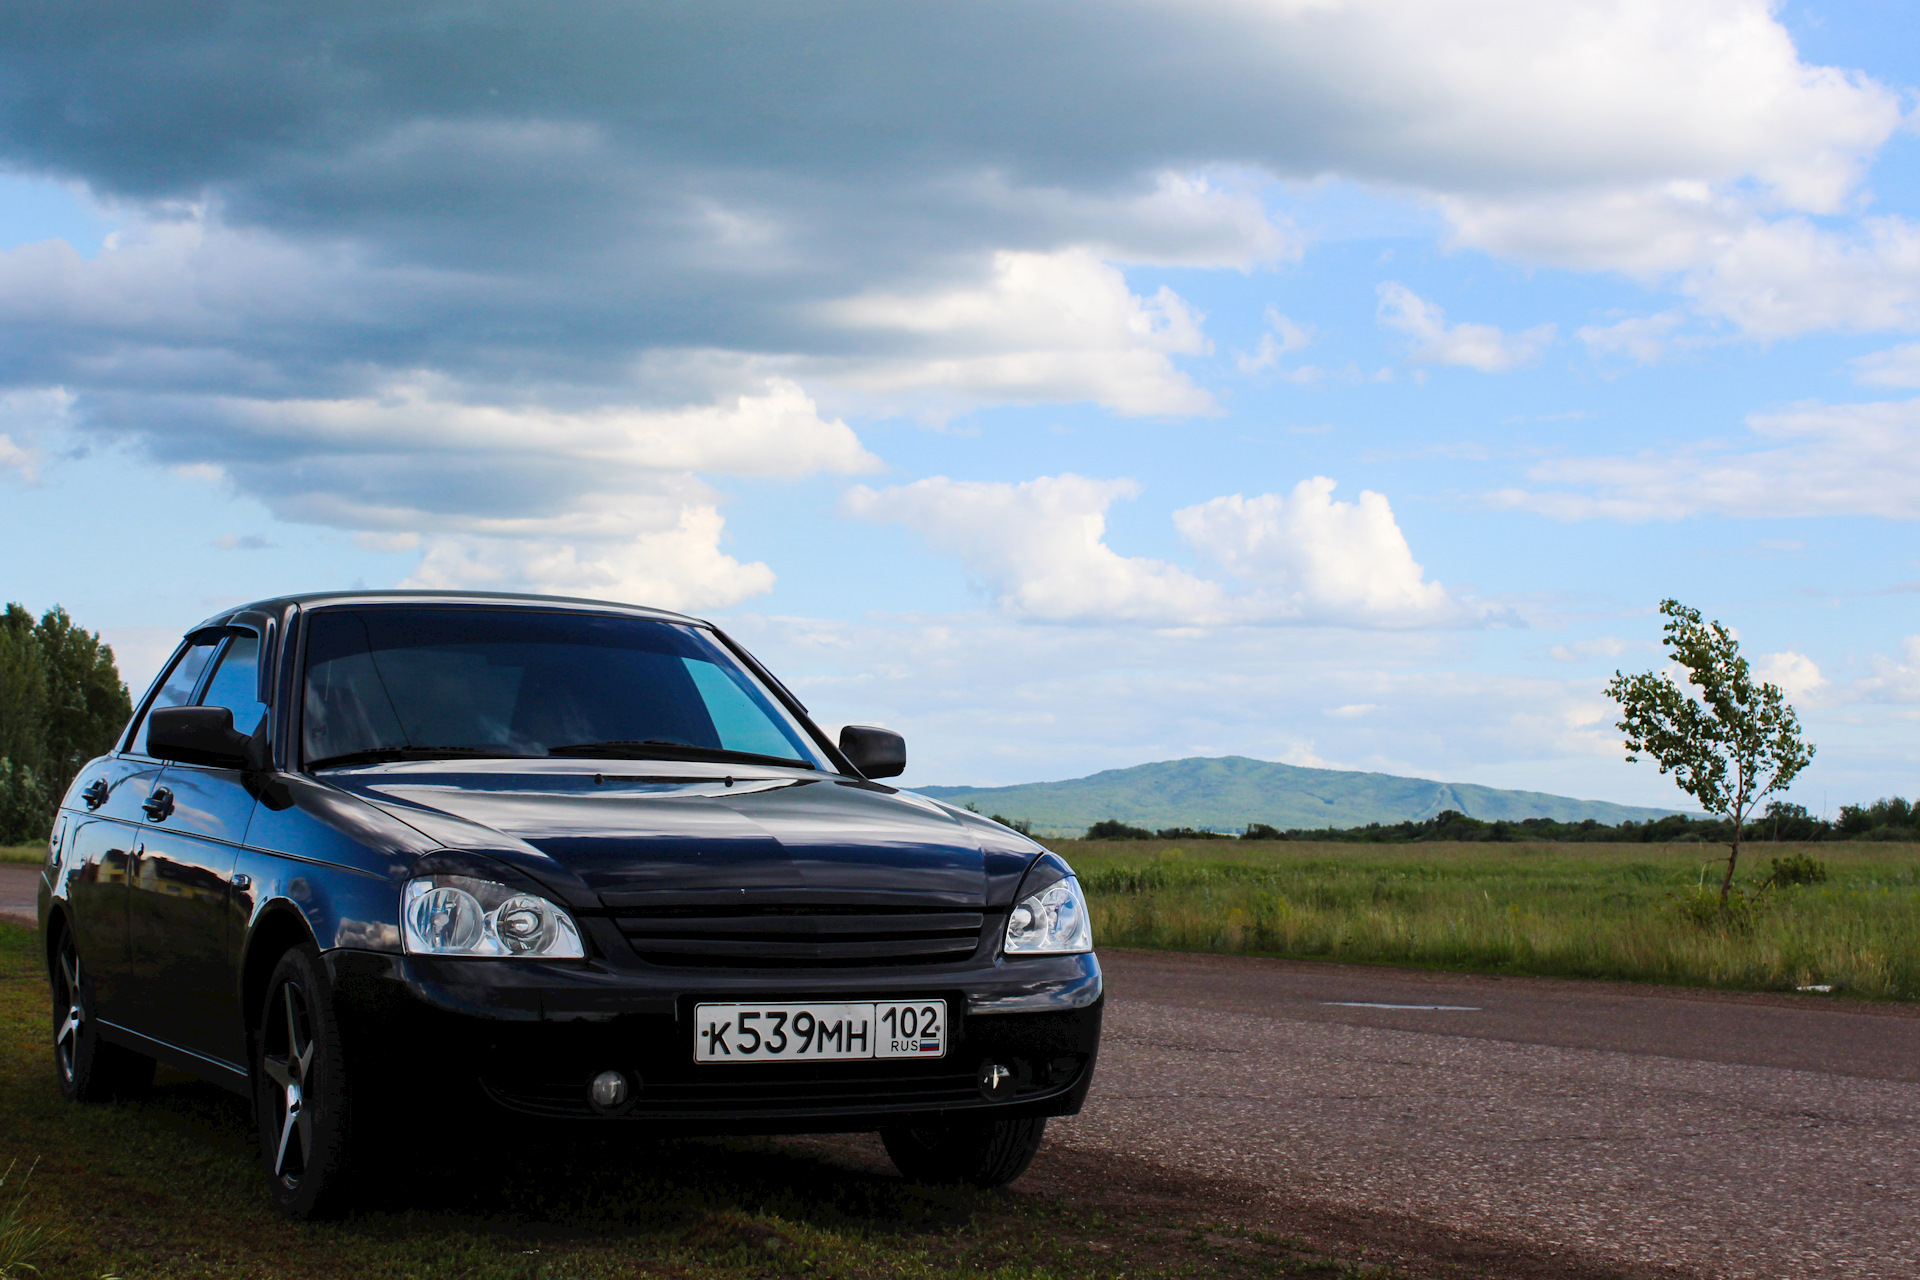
(23, 852)
(1578, 910)
(170, 1187)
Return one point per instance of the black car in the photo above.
(574, 860)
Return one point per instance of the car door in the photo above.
(180, 956)
(113, 796)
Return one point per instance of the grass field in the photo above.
(170, 1187)
(22, 852)
(1623, 911)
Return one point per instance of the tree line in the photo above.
(1891, 818)
(62, 702)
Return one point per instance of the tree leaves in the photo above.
(1730, 746)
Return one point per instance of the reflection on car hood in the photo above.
(657, 832)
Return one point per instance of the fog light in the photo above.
(609, 1091)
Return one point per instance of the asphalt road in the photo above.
(1609, 1125)
(1737, 1136)
(17, 881)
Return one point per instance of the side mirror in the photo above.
(197, 735)
(876, 753)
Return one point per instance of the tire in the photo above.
(301, 1094)
(90, 1069)
(983, 1153)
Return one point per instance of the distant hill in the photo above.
(1225, 793)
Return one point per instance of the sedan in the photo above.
(564, 859)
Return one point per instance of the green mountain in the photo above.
(1225, 793)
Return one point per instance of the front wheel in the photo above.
(300, 1091)
(985, 1153)
(91, 1070)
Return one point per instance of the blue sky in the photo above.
(1334, 381)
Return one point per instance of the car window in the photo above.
(236, 683)
(526, 682)
(177, 689)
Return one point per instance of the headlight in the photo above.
(465, 916)
(1051, 922)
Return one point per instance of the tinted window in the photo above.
(529, 683)
(177, 689)
(236, 683)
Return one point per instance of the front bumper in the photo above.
(533, 1035)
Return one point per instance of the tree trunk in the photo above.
(1733, 858)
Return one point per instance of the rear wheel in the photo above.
(300, 1091)
(91, 1070)
(984, 1153)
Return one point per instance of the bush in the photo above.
(1114, 829)
(1703, 907)
(1798, 868)
(1023, 825)
(26, 810)
(1261, 831)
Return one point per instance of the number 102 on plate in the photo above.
(819, 1032)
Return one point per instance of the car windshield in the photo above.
(405, 682)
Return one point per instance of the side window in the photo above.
(236, 683)
(177, 689)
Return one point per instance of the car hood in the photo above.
(632, 833)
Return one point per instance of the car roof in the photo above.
(313, 599)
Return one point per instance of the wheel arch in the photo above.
(58, 926)
(279, 928)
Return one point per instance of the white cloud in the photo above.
(1283, 337)
(1778, 279)
(26, 415)
(996, 700)
(1039, 550)
(1894, 367)
(23, 462)
(1308, 556)
(1477, 346)
(1813, 460)
(1043, 327)
(1644, 338)
(680, 568)
(1795, 673)
(1586, 650)
(1895, 680)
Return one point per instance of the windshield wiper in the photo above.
(382, 755)
(661, 749)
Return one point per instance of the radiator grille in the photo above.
(800, 936)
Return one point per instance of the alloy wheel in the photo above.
(288, 1062)
(68, 992)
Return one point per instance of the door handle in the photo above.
(159, 805)
(96, 793)
(242, 881)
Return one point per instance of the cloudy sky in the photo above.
(1067, 385)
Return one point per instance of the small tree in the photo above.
(1730, 748)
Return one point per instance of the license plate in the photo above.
(819, 1032)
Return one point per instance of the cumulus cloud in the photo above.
(1795, 673)
(1001, 700)
(1308, 556)
(1893, 679)
(1477, 346)
(1815, 459)
(1282, 338)
(604, 212)
(1894, 367)
(680, 568)
(1045, 327)
(1643, 338)
(1039, 550)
